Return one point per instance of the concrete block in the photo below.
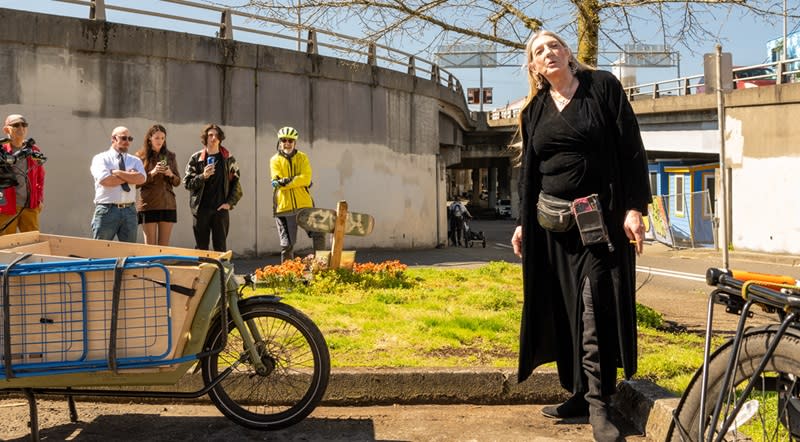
(647, 406)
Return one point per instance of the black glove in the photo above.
(284, 181)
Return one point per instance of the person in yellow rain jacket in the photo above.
(290, 170)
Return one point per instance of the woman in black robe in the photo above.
(579, 137)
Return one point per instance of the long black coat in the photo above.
(626, 186)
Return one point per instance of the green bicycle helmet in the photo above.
(288, 132)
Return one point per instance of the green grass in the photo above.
(460, 318)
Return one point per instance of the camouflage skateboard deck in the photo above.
(324, 220)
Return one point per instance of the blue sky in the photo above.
(744, 37)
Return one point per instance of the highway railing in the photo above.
(779, 72)
(226, 23)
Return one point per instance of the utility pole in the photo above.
(299, 26)
(783, 46)
(723, 164)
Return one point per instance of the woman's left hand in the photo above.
(634, 229)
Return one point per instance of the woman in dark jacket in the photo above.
(579, 138)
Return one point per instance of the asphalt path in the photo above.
(192, 423)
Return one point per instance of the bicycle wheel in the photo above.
(298, 367)
(772, 410)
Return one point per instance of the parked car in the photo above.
(503, 208)
(743, 79)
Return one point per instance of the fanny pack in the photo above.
(554, 214)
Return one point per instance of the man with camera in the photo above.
(115, 174)
(21, 178)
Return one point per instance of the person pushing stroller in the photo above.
(458, 216)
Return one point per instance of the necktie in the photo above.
(125, 186)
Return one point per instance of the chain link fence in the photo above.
(682, 220)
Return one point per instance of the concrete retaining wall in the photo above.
(373, 135)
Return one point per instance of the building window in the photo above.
(654, 183)
(679, 203)
(709, 185)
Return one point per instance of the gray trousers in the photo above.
(602, 427)
(287, 232)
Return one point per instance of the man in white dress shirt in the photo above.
(116, 173)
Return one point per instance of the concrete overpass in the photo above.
(378, 138)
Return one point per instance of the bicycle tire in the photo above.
(299, 368)
(783, 367)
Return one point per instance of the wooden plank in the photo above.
(338, 235)
(95, 248)
(323, 220)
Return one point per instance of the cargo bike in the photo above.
(78, 320)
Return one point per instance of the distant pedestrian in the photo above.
(22, 197)
(156, 205)
(584, 188)
(115, 172)
(212, 178)
(290, 170)
(458, 216)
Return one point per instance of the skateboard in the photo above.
(324, 220)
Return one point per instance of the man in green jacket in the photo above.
(291, 179)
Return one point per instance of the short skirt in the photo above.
(158, 216)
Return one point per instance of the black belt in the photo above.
(117, 205)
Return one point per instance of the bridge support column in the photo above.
(491, 188)
(476, 187)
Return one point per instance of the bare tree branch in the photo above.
(508, 23)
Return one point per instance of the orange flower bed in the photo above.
(289, 274)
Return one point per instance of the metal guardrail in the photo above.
(787, 71)
(273, 32)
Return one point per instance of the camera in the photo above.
(8, 176)
(25, 152)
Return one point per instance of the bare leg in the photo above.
(149, 230)
(164, 232)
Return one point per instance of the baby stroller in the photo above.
(471, 236)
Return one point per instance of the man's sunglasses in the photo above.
(123, 138)
(287, 140)
(19, 125)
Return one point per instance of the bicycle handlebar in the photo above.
(766, 290)
(713, 276)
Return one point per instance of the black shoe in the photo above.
(603, 429)
(576, 406)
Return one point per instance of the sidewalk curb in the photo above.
(647, 406)
(488, 386)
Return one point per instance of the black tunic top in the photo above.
(566, 144)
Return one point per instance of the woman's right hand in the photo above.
(516, 241)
